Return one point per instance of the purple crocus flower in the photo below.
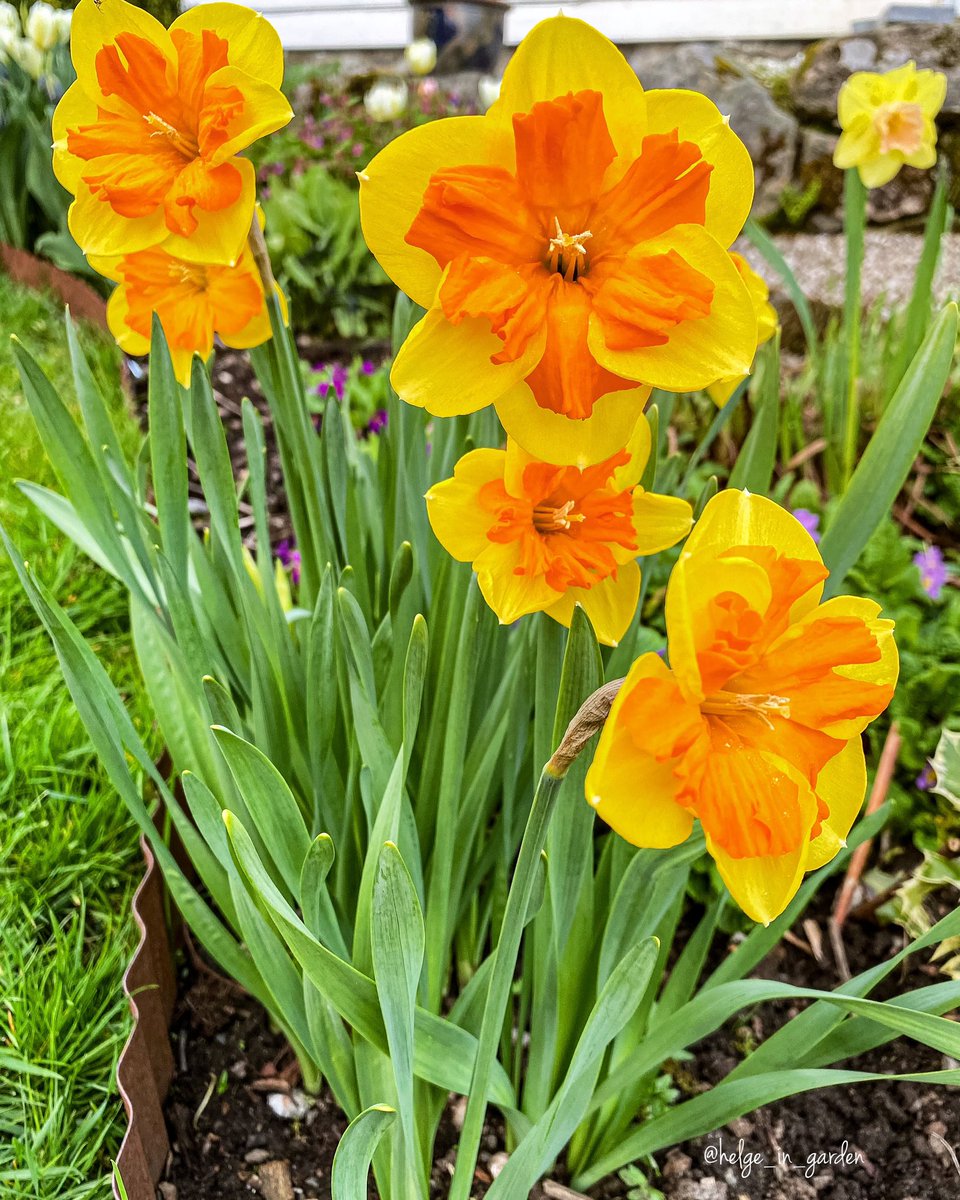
(810, 521)
(933, 570)
(338, 377)
(926, 779)
(289, 555)
(368, 367)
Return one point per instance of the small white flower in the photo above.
(386, 100)
(64, 20)
(9, 18)
(488, 89)
(8, 39)
(26, 55)
(421, 56)
(43, 26)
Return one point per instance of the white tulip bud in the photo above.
(386, 100)
(27, 56)
(43, 26)
(9, 18)
(64, 21)
(421, 56)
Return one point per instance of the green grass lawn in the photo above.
(69, 857)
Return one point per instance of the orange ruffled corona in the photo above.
(754, 728)
(147, 137)
(194, 301)
(543, 538)
(570, 246)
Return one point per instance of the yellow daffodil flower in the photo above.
(194, 301)
(569, 245)
(888, 121)
(754, 727)
(544, 538)
(767, 325)
(147, 138)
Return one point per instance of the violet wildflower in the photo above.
(926, 779)
(933, 570)
(368, 367)
(289, 555)
(810, 521)
(376, 424)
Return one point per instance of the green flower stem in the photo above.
(854, 220)
(501, 978)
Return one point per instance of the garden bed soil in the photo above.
(888, 1141)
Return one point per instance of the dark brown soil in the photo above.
(884, 1141)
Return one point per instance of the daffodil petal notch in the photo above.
(754, 728)
(570, 246)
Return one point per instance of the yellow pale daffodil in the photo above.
(888, 121)
(194, 301)
(767, 325)
(754, 727)
(147, 138)
(570, 247)
(544, 538)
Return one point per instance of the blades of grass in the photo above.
(397, 943)
(753, 469)
(615, 1006)
(766, 247)
(355, 1151)
(685, 973)
(887, 460)
(652, 417)
(721, 418)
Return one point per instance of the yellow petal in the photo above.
(860, 94)
(265, 108)
(97, 229)
(75, 108)
(721, 391)
(930, 91)
(96, 23)
(446, 368)
(701, 351)
(737, 518)
(456, 515)
(127, 339)
(630, 790)
(858, 143)
(610, 604)
(638, 447)
(659, 521)
(567, 442)
(392, 187)
(561, 55)
(511, 596)
(841, 784)
(254, 44)
(257, 330)
(697, 119)
(880, 170)
(220, 236)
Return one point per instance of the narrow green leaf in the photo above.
(753, 469)
(168, 453)
(351, 1163)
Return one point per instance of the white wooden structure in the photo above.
(388, 24)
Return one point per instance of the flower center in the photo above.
(567, 253)
(900, 127)
(179, 141)
(741, 704)
(548, 519)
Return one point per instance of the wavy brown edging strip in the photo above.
(41, 275)
(146, 1064)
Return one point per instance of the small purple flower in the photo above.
(357, 149)
(926, 779)
(810, 521)
(338, 377)
(376, 424)
(290, 557)
(933, 570)
(368, 367)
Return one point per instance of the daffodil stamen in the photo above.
(161, 128)
(547, 519)
(739, 704)
(568, 254)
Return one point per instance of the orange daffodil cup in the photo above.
(754, 727)
(570, 247)
(148, 137)
(543, 538)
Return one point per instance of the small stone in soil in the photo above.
(289, 1108)
(275, 1180)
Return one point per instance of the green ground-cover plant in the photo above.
(376, 783)
(68, 855)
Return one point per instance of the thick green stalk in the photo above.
(854, 221)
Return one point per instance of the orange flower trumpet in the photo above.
(147, 138)
(754, 727)
(569, 245)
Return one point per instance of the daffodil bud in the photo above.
(386, 100)
(421, 56)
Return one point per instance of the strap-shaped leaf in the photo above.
(351, 1163)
